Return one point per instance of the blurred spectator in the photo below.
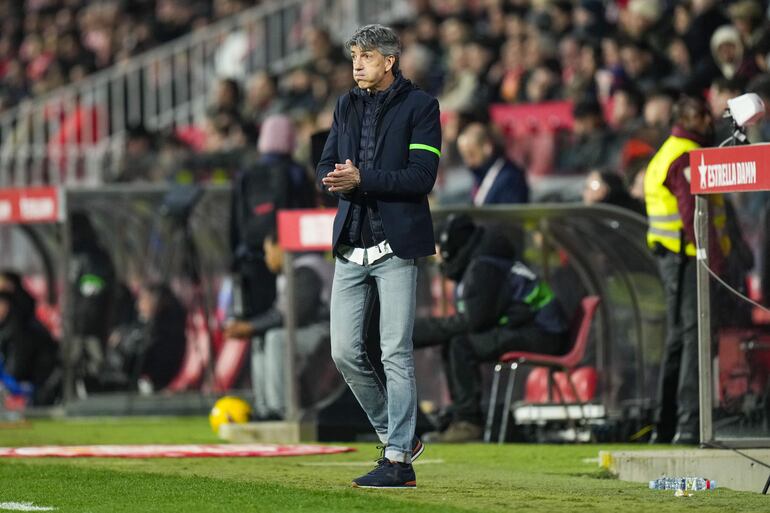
(139, 157)
(151, 348)
(273, 182)
(569, 56)
(426, 28)
(313, 279)
(626, 110)
(173, 18)
(277, 142)
(298, 91)
(749, 19)
(508, 72)
(730, 55)
(417, 64)
(591, 143)
(625, 119)
(605, 187)
(684, 75)
(641, 66)
(696, 21)
(227, 99)
(589, 18)
(657, 116)
(324, 54)
(262, 99)
(480, 57)
(643, 21)
(496, 179)
(92, 290)
(174, 156)
(461, 85)
(761, 131)
(722, 90)
(636, 183)
(28, 353)
(542, 83)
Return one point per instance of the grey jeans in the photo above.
(267, 365)
(391, 408)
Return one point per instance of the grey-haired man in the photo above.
(381, 160)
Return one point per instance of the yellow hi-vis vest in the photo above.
(665, 223)
(662, 212)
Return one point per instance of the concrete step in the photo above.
(727, 468)
(270, 432)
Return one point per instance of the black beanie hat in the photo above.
(455, 233)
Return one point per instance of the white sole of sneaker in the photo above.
(408, 487)
(419, 452)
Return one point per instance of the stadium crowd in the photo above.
(45, 44)
(616, 66)
(619, 65)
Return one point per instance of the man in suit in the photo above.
(495, 178)
(381, 160)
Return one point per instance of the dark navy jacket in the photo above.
(403, 170)
(510, 185)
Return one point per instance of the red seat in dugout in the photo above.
(568, 364)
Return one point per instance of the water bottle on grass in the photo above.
(682, 483)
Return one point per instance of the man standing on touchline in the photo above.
(381, 160)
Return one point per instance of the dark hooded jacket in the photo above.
(494, 291)
(404, 147)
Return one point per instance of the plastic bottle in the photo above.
(682, 483)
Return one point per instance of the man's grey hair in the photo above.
(375, 37)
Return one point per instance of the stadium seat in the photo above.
(568, 363)
(196, 356)
(538, 391)
(230, 362)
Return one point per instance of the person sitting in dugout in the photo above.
(501, 306)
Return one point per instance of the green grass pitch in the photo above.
(450, 478)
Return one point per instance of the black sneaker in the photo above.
(417, 448)
(388, 474)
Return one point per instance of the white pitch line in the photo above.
(24, 506)
(357, 463)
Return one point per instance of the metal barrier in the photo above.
(75, 134)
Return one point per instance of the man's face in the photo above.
(718, 100)
(622, 108)
(473, 153)
(699, 120)
(728, 52)
(657, 112)
(260, 90)
(634, 61)
(273, 256)
(369, 67)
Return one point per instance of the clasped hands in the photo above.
(344, 179)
